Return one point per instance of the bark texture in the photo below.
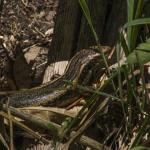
(115, 18)
(65, 31)
(72, 32)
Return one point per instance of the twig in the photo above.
(33, 119)
(91, 143)
(86, 124)
(24, 127)
(3, 141)
(44, 124)
(10, 127)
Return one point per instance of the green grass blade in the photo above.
(135, 29)
(86, 12)
(136, 22)
(130, 11)
(138, 57)
(144, 47)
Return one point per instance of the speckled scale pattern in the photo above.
(52, 91)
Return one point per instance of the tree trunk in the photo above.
(98, 10)
(115, 18)
(72, 32)
(65, 31)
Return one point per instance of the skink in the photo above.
(50, 93)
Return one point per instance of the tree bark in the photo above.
(72, 31)
(98, 11)
(65, 31)
(115, 18)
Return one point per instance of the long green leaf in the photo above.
(130, 12)
(144, 47)
(136, 22)
(138, 56)
(86, 11)
(136, 29)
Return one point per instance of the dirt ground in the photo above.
(26, 29)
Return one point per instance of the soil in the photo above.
(26, 30)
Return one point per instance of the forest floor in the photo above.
(24, 26)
